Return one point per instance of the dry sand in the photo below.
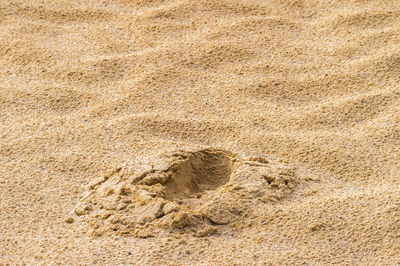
(199, 132)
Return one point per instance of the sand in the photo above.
(183, 132)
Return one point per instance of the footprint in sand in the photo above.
(186, 191)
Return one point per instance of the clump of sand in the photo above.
(185, 191)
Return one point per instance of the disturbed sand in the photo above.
(199, 132)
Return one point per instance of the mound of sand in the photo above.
(188, 191)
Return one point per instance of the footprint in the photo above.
(193, 173)
(185, 191)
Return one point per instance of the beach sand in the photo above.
(199, 132)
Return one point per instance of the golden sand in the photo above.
(199, 132)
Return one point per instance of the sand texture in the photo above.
(226, 132)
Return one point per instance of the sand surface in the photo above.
(199, 132)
